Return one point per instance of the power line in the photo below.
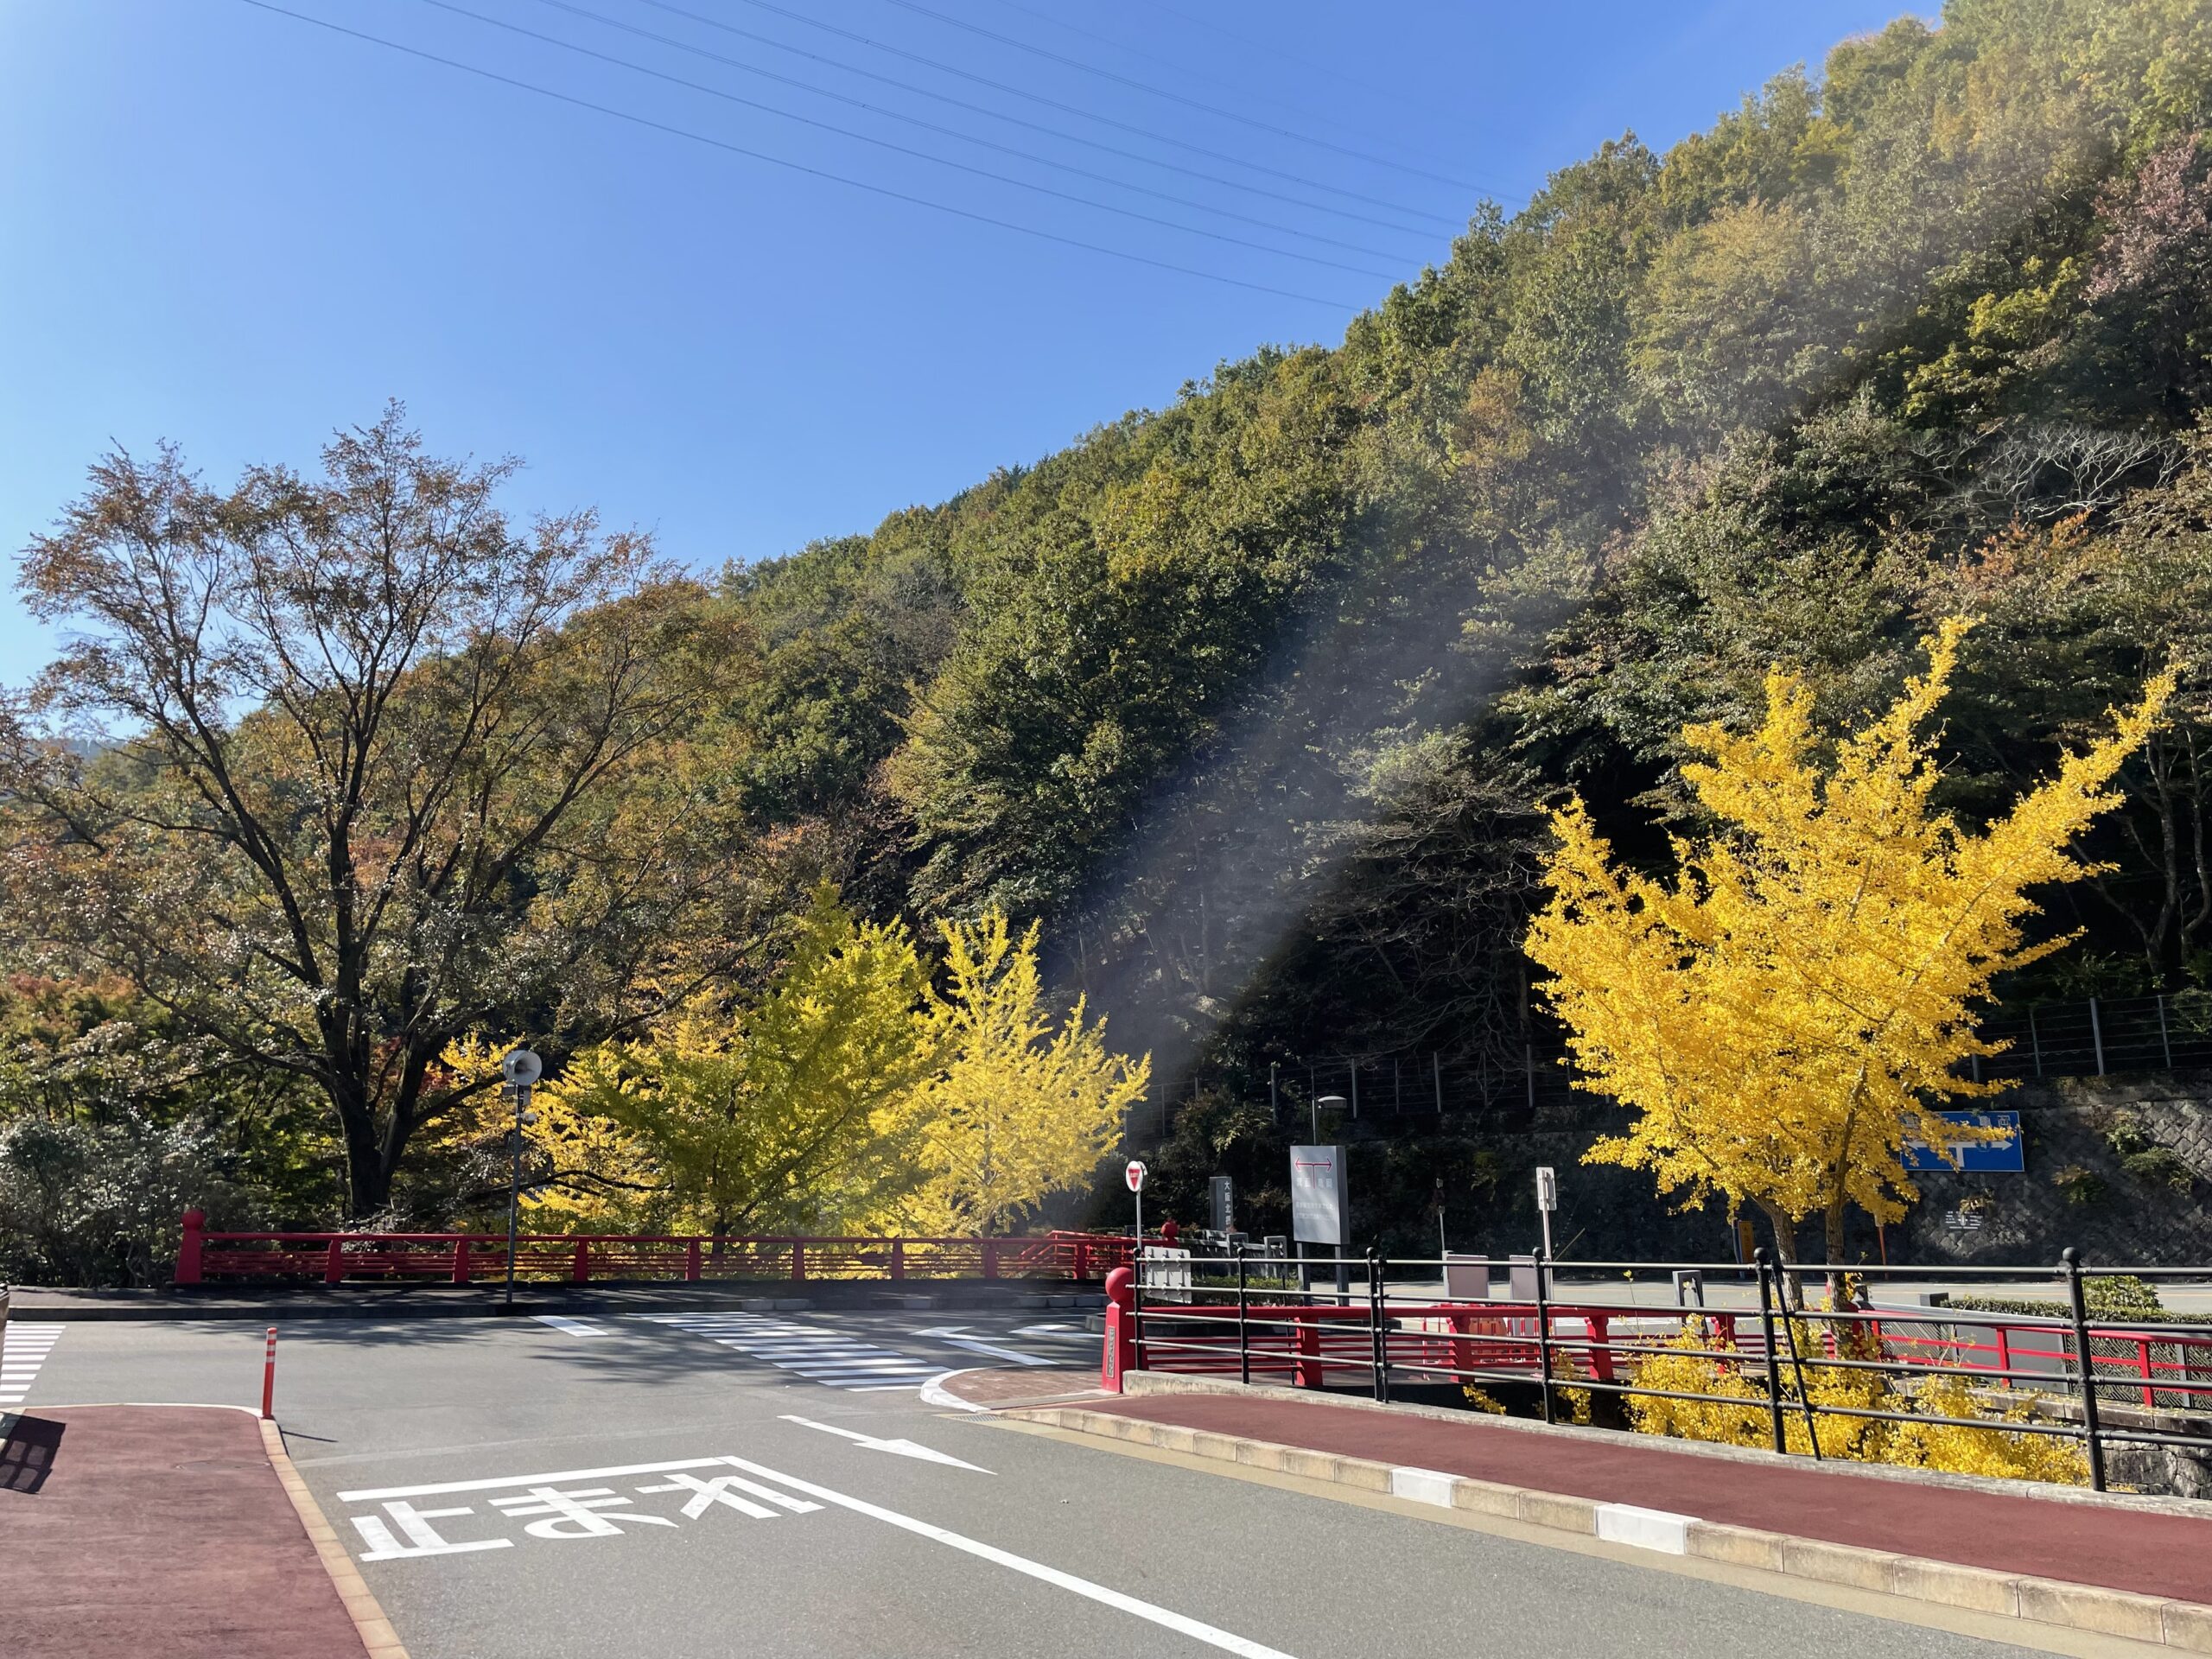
(898, 148)
(1268, 46)
(1291, 133)
(1109, 41)
(1077, 110)
(795, 167)
(843, 67)
(952, 133)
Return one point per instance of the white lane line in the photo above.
(1180, 1623)
(571, 1327)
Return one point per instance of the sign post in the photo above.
(1546, 1201)
(1318, 1209)
(522, 1070)
(1134, 1176)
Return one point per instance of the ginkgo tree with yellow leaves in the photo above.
(851, 1095)
(1022, 1111)
(1798, 1001)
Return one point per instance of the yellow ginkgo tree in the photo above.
(851, 1095)
(1022, 1111)
(1798, 1001)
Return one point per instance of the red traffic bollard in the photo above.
(269, 1377)
(1118, 1356)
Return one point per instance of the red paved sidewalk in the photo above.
(2119, 1548)
(128, 1531)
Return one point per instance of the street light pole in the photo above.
(522, 1070)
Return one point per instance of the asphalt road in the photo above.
(646, 1487)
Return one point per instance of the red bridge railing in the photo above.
(582, 1258)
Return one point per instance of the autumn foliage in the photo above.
(1797, 1001)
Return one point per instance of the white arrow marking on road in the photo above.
(903, 1448)
(953, 1335)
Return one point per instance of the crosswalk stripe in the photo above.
(23, 1350)
(831, 1358)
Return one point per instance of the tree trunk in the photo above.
(368, 1176)
(1785, 1251)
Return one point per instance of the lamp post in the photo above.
(522, 1070)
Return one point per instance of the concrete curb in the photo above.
(378, 1637)
(2183, 1625)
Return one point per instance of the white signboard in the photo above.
(1166, 1272)
(1134, 1176)
(1317, 1195)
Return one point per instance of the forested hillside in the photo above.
(1254, 700)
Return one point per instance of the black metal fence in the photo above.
(1570, 1329)
(1509, 1076)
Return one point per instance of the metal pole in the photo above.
(1544, 1334)
(1243, 1310)
(1355, 1088)
(2097, 1036)
(514, 1183)
(1378, 1336)
(1766, 1331)
(1436, 1066)
(1275, 1101)
(1804, 1400)
(2165, 1040)
(2070, 1262)
(2035, 1042)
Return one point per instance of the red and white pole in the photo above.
(269, 1377)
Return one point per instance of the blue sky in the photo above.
(237, 230)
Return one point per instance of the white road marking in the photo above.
(1015, 1354)
(903, 1448)
(24, 1345)
(559, 1477)
(1046, 1330)
(571, 1327)
(830, 1357)
(559, 1505)
(1212, 1636)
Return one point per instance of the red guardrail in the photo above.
(580, 1258)
(1306, 1340)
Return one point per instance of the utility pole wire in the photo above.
(842, 68)
(950, 132)
(1074, 109)
(897, 148)
(1291, 133)
(1111, 44)
(795, 167)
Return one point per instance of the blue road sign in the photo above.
(1979, 1157)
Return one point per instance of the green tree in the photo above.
(343, 767)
